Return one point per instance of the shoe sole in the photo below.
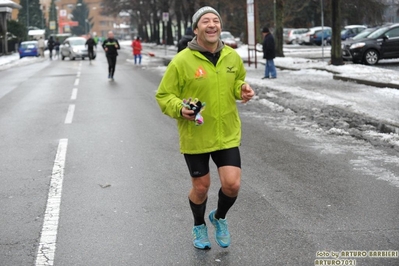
(203, 248)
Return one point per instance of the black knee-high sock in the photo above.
(198, 212)
(224, 204)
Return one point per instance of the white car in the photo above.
(75, 47)
(293, 35)
(305, 37)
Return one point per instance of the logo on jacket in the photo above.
(231, 69)
(200, 73)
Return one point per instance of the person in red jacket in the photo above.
(136, 45)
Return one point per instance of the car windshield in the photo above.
(377, 33)
(363, 34)
(28, 45)
(77, 42)
(226, 35)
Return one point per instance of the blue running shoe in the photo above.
(222, 235)
(200, 237)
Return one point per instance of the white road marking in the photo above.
(76, 82)
(74, 94)
(69, 116)
(48, 236)
(78, 75)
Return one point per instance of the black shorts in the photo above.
(198, 164)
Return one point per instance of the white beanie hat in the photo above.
(202, 11)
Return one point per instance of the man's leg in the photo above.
(267, 69)
(113, 66)
(230, 178)
(273, 71)
(198, 197)
(109, 60)
(198, 165)
(229, 169)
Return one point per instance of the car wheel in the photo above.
(62, 57)
(371, 57)
(71, 57)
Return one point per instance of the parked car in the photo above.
(228, 39)
(380, 44)
(346, 54)
(292, 36)
(29, 48)
(351, 31)
(320, 37)
(74, 47)
(306, 37)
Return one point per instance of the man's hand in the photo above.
(246, 93)
(187, 113)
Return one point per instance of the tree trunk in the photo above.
(278, 34)
(336, 53)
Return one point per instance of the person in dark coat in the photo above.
(57, 47)
(187, 37)
(50, 46)
(269, 53)
(90, 43)
(111, 47)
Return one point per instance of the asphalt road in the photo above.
(124, 184)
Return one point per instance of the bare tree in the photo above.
(279, 27)
(336, 53)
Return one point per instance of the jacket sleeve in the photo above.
(168, 93)
(119, 47)
(240, 79)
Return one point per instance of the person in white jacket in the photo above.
(42, 46)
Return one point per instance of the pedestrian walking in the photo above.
(41, 46)
(207, 73)
(137, 47)
(50, 46)
(187, 37)
(111, 47)
(269, 53)
(57, 47)
(90, 43)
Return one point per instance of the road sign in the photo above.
(63, 13)
(52, 25)
(165, 16)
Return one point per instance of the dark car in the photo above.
(320, 36)
(380, 44)
(346, 54)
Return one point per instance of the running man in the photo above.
(213, 73)
(90, 43)
(111, 47)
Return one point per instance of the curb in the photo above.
(367, 82)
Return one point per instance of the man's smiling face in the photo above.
(208, 31)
